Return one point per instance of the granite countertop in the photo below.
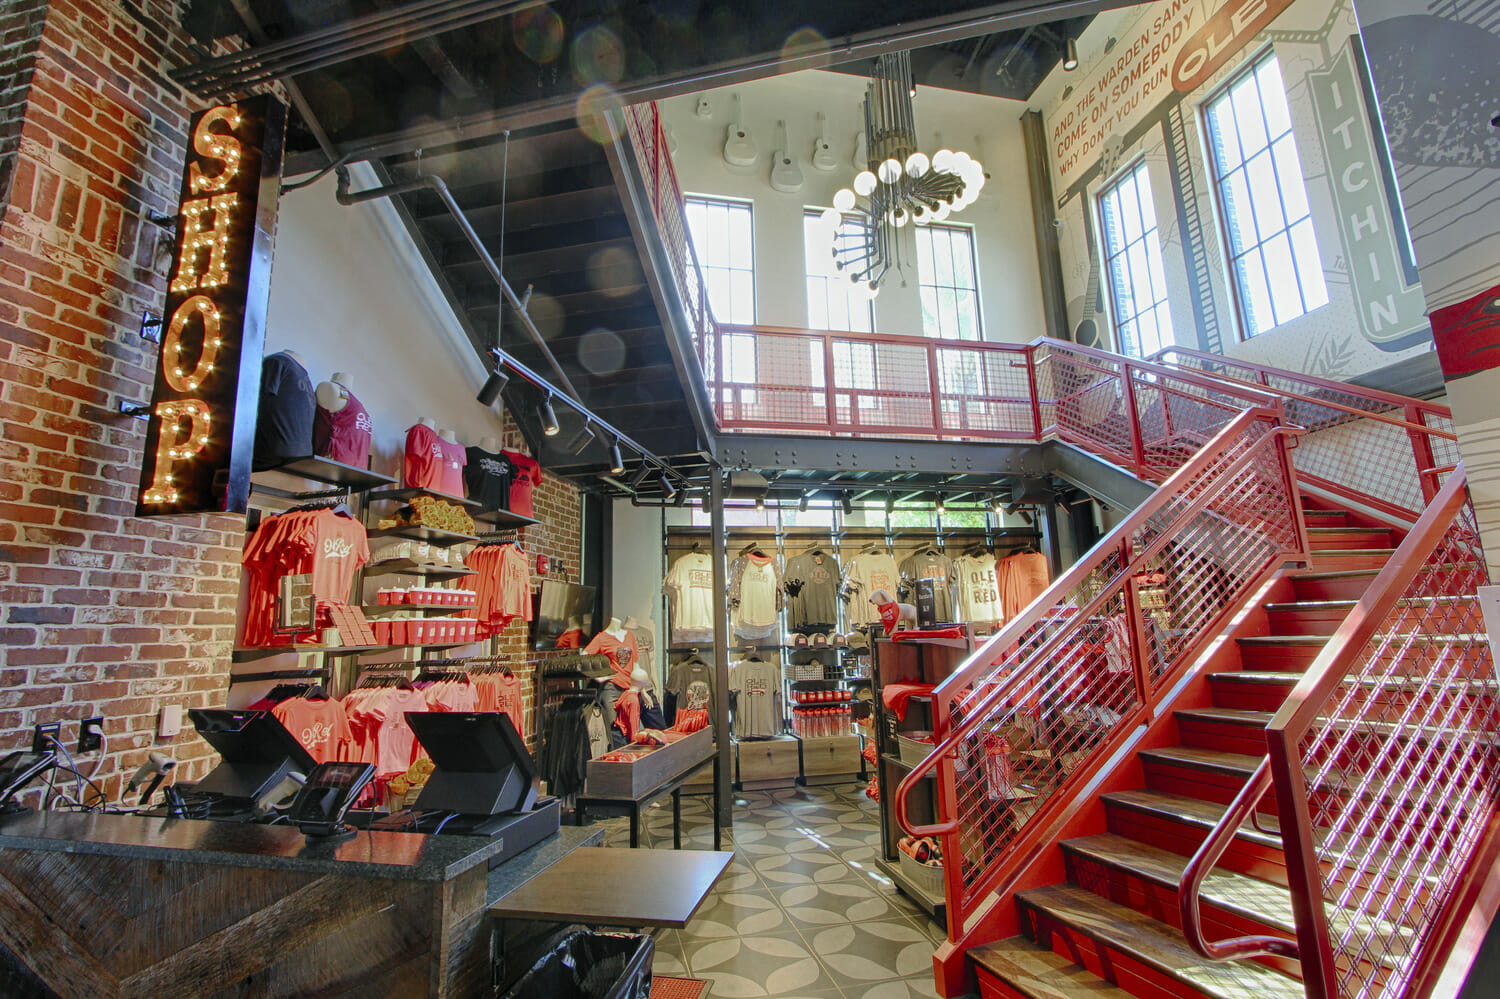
(399, 855)
(526, 865)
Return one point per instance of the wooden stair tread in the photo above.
(1311, 605)
(1253, 898)
(1338, 574)
(1039, 973)
(1258, 676)
(1347, 529)
(1230, 716)
(1215, 760)
(1158, 945)
(1283, 640)
(1261, 901)
(1193, 812)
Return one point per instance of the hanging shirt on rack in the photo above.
(488, 477)
(864, 574)
(502, 586)
(621, 654)
(978, 589)
(328, 545)
(689, 587)
(284, 422)
(320, 725)
(938, 568)
(394, 740)
(344, 436)
(812, 583)
(527, 475)
(692, 682)
(755, 596)
(1023, 577)
(757, 708)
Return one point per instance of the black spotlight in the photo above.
(680, 498)
(582, 439)
(640, 476)
(847, 504)
(802, 502)
(760, 502)
(548, 417)
(1070, 56)
(941, 509)
(667, 488)
(493, 386)
(616, 462)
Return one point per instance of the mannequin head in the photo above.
(448, 435)
(295, 356)
(490, 444)
(426, 421)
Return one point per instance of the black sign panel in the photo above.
(202, 422)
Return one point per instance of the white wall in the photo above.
(1104, 119)
(988, 128)
(349, 293)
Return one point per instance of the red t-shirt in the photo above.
(528, 474)
(338, 546)
(433, 463)
(621, 655)
(320, 725)
(345, 435)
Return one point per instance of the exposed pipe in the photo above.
(435, 183)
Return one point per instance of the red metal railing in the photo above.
(1024, 724)
(1379, 450)
(1386, 764)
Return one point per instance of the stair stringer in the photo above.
(1038, 859)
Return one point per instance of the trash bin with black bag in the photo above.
(585, 964)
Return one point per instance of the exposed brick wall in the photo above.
(103, 613)
(559, 508)
(21, 24)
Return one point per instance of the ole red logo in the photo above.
(1226, 33)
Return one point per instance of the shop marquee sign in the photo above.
(201, 426)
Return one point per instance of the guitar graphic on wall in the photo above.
(822, 154)
(1089, 331)
(786, 175)
(739, 147)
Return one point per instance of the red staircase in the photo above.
(1264, 707)
(1113, 928)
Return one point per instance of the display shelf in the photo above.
(279, 674)
(950, 643)
(382, 610)
(502, 519)
(935, 905)
(418, 532)
(251, 655)
(335, 473)
(901, 764)
(407, 567)
(408, 492)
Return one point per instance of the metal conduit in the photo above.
(435, 183)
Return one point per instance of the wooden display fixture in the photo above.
(630, 779)
(767, 763)
(334, 473)
(831, 760)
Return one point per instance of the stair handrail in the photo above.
(1190, 884)
(1356, 644)
(1427, 425)
(1043, 609)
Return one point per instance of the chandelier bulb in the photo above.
(890, 171)
(864, 183)
(917, 165)
(942, 160)
(844, 199)
(831, 217)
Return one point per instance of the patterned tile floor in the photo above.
(802, 911)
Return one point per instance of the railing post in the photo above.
(1137, 446)
(945, 780)
(1421, 450)
(1034, 389)
(830, 410)
(1314, 945)
(1139, 649)
(933, 387)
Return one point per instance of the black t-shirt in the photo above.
(488, 477)
(284, 426)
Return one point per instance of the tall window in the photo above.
(1132, 255)
(831, 305)
(723, 239)
(1272, 248)
(950, 291)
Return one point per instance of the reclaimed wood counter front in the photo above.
(119, 905)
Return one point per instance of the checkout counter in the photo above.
(149, 905)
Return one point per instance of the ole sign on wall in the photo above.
(202, 421)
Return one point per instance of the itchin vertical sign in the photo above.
(202, 421)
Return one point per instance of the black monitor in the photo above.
(481, 765)
(257, 749)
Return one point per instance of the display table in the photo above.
(603, 886)
(121, 905)
(633, 804)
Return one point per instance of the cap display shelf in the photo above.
(409, 492)
(502, 520)
(419, 532)
(407, 567)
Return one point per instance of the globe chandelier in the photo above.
(900, 186)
